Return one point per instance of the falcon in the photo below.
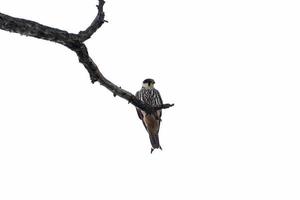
(151, 96)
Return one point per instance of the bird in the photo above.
(151, 122)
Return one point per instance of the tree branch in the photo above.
(34, 29)
(96, 24)
(75, 42)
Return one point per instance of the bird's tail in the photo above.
(154, 139)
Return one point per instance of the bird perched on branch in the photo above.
(151, 96)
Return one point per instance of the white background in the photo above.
(230, 67)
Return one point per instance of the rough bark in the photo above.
(75, 42)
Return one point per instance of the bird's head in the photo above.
(148, 83)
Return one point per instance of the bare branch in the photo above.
(75, 43)
(96, 24)
(96, 75)
(34, 29)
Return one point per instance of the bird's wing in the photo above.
(141, 116)
(159, 102)
(139, 112)
(159, 97)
